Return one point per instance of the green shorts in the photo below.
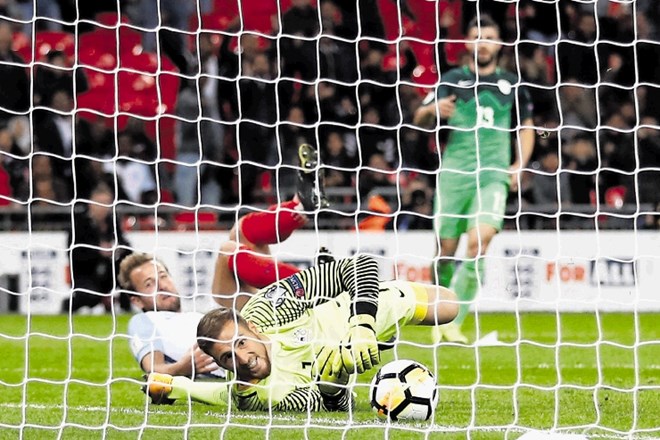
(459, 211)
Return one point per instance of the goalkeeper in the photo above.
(162, 339)
(480, 103)
(297, 343)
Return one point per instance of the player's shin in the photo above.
(466, 285)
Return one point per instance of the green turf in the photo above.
(585, 373)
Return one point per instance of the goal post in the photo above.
(191, 114)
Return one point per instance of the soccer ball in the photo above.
(403, 390)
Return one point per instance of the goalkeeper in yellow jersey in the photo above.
(297, 343)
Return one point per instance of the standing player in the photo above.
(297, 343)
(480, 103)
(162, 338)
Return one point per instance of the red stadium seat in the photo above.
(197, 219)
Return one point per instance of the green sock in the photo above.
(466, 286)
(442, 272)
(212, 393)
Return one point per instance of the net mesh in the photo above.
(171, 120)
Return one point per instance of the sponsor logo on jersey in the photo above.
(504, 86)
(297, 286)
(465, 83)
(276, 295)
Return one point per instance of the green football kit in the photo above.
(472, 185)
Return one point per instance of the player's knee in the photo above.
(228, 247)
(447, 306)
(443, 306)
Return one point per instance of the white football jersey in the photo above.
(171, 333)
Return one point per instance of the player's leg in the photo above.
(409, 303)
(259, 229)
(279, 222)
(241, 271)
(451, 207)
(449, 223)
(481, 229)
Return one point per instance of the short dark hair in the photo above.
(211, 325)
(483, 21)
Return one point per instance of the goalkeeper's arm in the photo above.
(358, 350)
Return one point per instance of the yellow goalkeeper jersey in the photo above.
(308, 310)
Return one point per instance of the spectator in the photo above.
(648, 145)
(57, 76)
(577, 106)
(136, 178)
(582, 165)
(166, 22)
(50, 9)
(417, 207)
(256, 139)
(299, 55)
(94, 254)
(197, 140)
(15, 87)
(577, 45)
(338, 60)
(292, 134)
(20, 130)
(550, 186)
(375, 139)
(376, 177)
(46, 186)
(617, 156)
(13, 168)
(54, 133)
(336, 161)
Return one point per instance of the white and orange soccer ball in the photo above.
(404, 390)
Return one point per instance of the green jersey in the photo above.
(487, 110)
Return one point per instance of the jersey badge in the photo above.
(297, 286)
(276, 295)
(504, 86)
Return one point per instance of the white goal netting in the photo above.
(155, 125)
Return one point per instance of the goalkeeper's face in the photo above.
(155, 288)
(486, 44)
(242, 350)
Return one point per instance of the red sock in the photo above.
(274, 225)
(258, 270)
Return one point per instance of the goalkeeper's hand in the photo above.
(358, 351)
(329, 382)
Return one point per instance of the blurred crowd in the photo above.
(345, 76)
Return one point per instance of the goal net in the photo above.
(509, 151)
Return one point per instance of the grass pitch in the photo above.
(577, 373)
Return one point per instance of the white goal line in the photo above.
(314, 422)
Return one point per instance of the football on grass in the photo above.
(403, 390)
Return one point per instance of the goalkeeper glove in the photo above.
(158, 387)
(358, 351)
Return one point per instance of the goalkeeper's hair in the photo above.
(129, 264)
(211, 325)
(483, 21)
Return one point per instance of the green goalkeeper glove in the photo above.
(358, 351)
